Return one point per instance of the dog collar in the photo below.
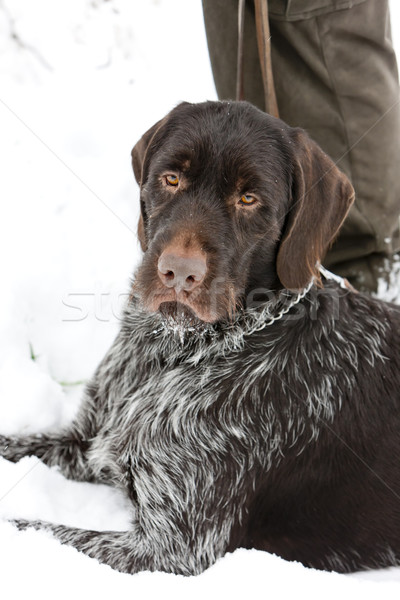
(270, 319)
(279, 313)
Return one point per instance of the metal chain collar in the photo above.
(295, 300)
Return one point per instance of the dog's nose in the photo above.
(181, 272)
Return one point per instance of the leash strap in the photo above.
(264, 52)
(240, 55)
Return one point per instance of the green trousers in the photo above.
(336, 76)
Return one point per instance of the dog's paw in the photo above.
(4, 444)
(8, 447)
(14, 448)
(23, 524)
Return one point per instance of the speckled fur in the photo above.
(283, 437)
(193, 434)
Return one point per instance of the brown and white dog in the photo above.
(243, 403)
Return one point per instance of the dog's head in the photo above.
(233, 203)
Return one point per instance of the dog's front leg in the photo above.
(67, 449)
(70, 449)
(139, 550)
(122, 550)
(178, 526)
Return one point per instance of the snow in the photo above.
(80, 82)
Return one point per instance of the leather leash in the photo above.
(240, 54)
(264, 52)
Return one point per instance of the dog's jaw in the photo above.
(179, 318)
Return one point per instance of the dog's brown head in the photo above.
(233, 203)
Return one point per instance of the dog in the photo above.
(250, 399)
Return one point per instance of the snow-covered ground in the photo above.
(81, 80)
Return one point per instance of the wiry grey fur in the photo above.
(240, 430)
(165, 422)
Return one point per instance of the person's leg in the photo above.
(336, 76)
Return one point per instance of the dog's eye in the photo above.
(172, 180)
(247, 199)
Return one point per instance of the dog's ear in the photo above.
(141, 151)
(321, 198)
(142, 148)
